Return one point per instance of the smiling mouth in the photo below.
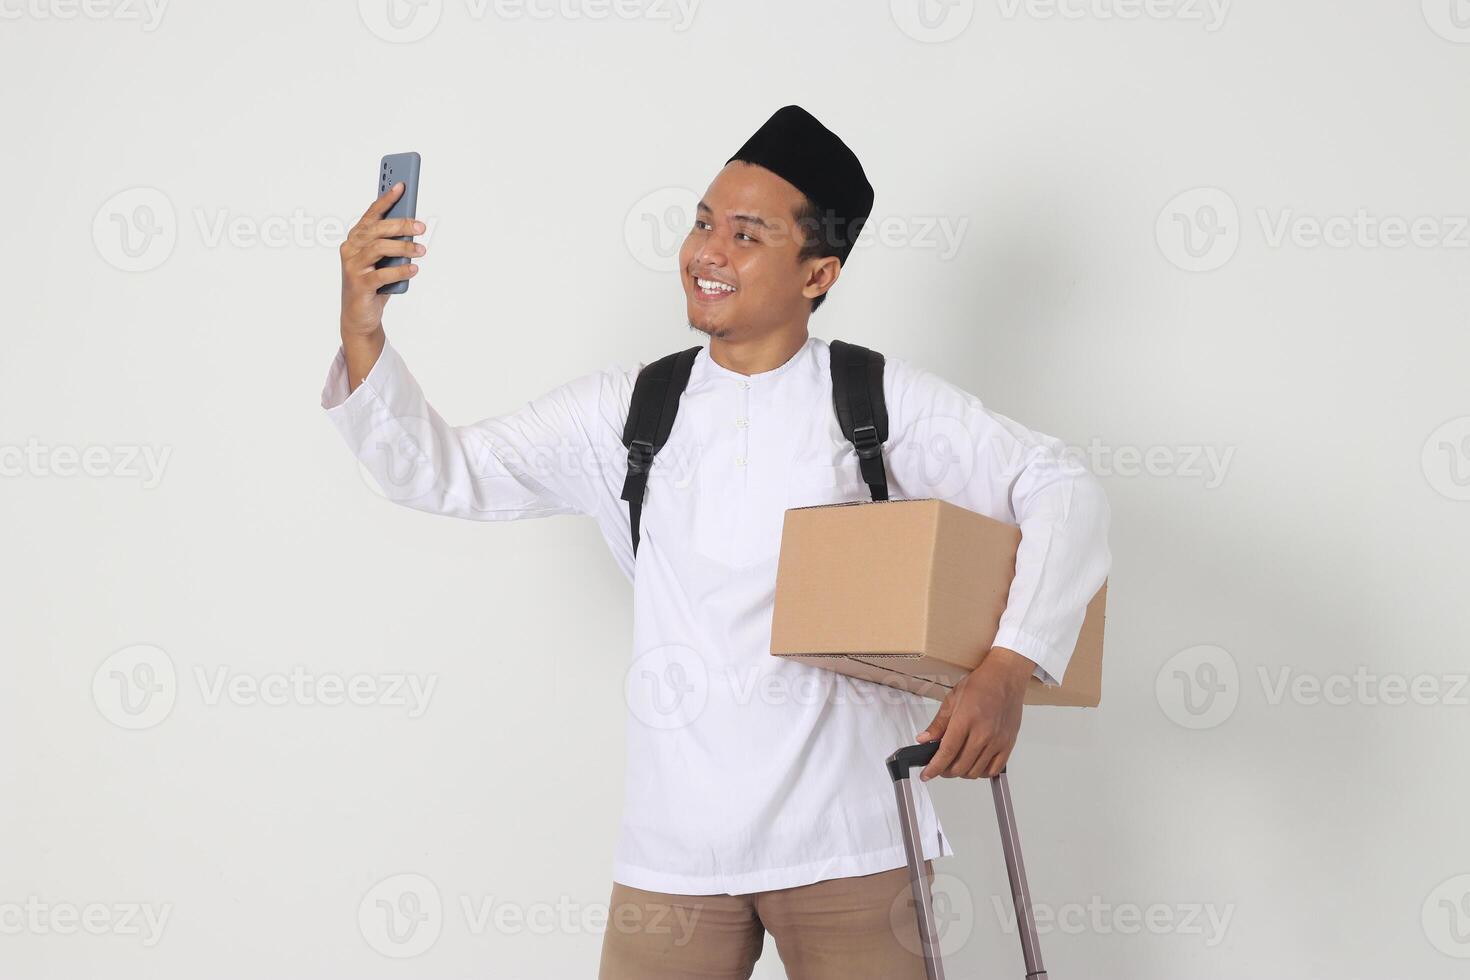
(712, 289)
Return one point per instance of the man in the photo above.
(756, 799)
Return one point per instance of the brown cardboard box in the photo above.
(909, 593)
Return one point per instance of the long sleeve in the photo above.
(944, 443)
(551, 456)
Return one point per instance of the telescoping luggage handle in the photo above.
(916, 756)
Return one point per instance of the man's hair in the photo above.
(816, 242)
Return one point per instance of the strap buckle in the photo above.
(640, 456)
(865, 438)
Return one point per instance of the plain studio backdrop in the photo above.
(1221, 249)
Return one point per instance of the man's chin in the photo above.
(704, 326)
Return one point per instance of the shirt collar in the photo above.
(706, 366)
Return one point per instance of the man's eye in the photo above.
(741, 234)
(700, 224)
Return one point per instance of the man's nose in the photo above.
(711, 255)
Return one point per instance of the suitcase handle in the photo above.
(900, 764)
(912, 757)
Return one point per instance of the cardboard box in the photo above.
(909, 593)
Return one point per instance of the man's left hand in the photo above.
(979, 720)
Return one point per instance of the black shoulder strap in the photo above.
(650, 420)
(857, 395)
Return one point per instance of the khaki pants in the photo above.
(859, 928)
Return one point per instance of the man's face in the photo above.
(746, 239)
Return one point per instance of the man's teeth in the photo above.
(709, 285)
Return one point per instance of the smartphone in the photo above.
(396, 167)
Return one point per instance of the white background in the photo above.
(176, 185)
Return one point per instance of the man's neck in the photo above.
(760, 354)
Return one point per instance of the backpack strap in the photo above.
(650, 420)
(857, 395)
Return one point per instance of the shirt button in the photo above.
(743, 384)
(739, 460)
(742, 423)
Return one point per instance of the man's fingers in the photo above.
(968, 757)
(380, 247)
(937, 727)
(393, 227)
(392, 273)
(948, 749)
(385, 201)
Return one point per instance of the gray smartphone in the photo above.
(396, 167)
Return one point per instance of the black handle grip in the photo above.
(909, 757)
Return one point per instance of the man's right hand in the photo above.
(372, 238)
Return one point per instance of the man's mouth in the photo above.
(712, 289)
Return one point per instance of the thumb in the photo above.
(940, 723)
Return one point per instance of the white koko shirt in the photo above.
(747, 772)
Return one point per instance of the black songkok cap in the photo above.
(794, 145)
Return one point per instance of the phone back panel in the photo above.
(396, 167)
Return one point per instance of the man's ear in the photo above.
(822, 276)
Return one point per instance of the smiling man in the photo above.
(755, 800)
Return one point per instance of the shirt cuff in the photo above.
(335, 395)
(1051, 663)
